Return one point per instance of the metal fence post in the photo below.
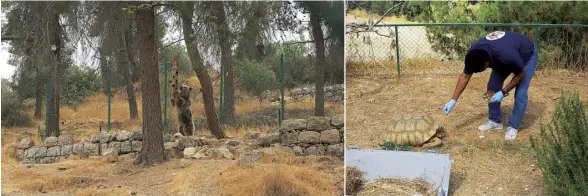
(397, 49)
(220, 110)
(48, 102)
(537, 42)
(165, 123)
(282, 108)
(109, 98)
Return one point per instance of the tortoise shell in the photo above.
(412, 129)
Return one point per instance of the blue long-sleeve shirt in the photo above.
(509, 51)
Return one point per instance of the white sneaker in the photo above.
(511, 134)
(490, 125)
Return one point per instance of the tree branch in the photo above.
(305, 42)
(174, 42)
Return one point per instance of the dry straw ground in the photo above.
(484, 163)
(275, 175)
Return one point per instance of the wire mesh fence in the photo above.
(440, 48)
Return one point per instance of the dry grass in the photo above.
(486, 166)
(354, 180)
(392, 186)
(358, 14)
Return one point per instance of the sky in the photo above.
(85, 57)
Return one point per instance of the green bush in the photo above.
(79, 83)
(12, 108)
(562, 148)
(257, 77)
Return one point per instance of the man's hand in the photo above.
(497, 97)
(448, 106)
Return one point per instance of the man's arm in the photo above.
(462, 82)
(514, 82)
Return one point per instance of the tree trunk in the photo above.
(125, 64)
(187, 10)
(317, 33)
(224, 34)
(152, 151)
(129, 40)
(103, 70)
(56, 72)
(39, 96)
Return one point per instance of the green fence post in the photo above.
(220, 110)
(282, 87)
(165, 125)
(109, 98)
(397, 50)
(48, 102)
(537, 42)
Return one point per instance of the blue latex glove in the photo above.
(448, 106)
(497, 97)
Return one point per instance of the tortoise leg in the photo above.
(435, 142)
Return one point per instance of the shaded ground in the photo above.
(483, 163)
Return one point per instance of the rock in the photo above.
(318, 123)
(224, 152)
(137, 135)
(184, 163)
(126, 147)
(268, 139)
(127, 156)
(66, 150)
(338, 121)
(41, 152)
(251, 135)
(268, 151)
(47, 160)
(19, 153)
(233, 143)
(105, 137)
(293, 124)
(91, 149)
(274, 131)
(336, 150)
(111, 154)
(30, 153)
(62, 168)
(178, 135)
(50, 141)
(27, 162)
(101, 186)
(199, 155)
(170, 145)
(137, 146)
(26, 143)
(185, 142)
(95, 139)
(123, 136)
(78, 149)
(65, 140)
(311, 137)
(189, 152)
(298, 151)
(290, 137)
(115, 145)
(210, 142)
(330, 136)
(315, 150)
(168, 138)
(54, 151)
(248, 158)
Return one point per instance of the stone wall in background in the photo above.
(320, 136)
(333, 93)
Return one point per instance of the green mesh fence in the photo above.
(440, 48)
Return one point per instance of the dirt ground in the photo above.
(96, 176)
(483, 163)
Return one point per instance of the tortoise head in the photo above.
(441, 133)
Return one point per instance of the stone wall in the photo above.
(332, 93)
(53, 149)
(322, 136)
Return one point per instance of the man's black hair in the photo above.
(475, 60)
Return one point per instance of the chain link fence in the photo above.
(408, 49)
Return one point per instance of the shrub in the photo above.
(562, 148)
(355, 180)
(257, 77)
(79, 83)
(12, 108)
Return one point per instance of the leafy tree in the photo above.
(257, 77)
(12, 108)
